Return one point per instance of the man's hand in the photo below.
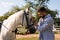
(36, 24)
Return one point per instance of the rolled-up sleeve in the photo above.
(45, 25)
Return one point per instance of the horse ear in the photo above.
(27, 10)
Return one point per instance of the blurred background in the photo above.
(9, 7)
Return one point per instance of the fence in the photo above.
(56, 29)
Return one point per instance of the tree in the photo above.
(35, 4)
(1, 18)
(15, 9)
(10, 12)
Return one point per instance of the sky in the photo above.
(6, 5)
(54, 5)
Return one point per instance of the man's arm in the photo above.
(45, 25)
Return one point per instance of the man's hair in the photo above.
(42, 9)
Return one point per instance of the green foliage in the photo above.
(36, 4)
(1, 18)
(15, 9)
(21, 30)
(28, 38)
(10, 12)
(52, 12)
(6, 15)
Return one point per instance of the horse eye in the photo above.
(27, 13)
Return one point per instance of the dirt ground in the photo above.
(34, 35)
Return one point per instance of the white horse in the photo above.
(11, 24)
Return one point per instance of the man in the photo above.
(46, 25)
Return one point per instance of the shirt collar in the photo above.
(47, 15)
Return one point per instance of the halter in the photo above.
(25, 14)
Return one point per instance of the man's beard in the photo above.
(42, 16)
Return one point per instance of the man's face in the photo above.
(41, 14)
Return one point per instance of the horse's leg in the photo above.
(1, 38)
(10, 36)
(13, 36)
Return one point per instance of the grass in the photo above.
(23, 30)
(31, 38)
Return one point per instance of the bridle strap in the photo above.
(5, 26)
(26, 19)
(25, 14)
(22, 19)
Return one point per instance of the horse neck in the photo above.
(12, 21)
(19, 18)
